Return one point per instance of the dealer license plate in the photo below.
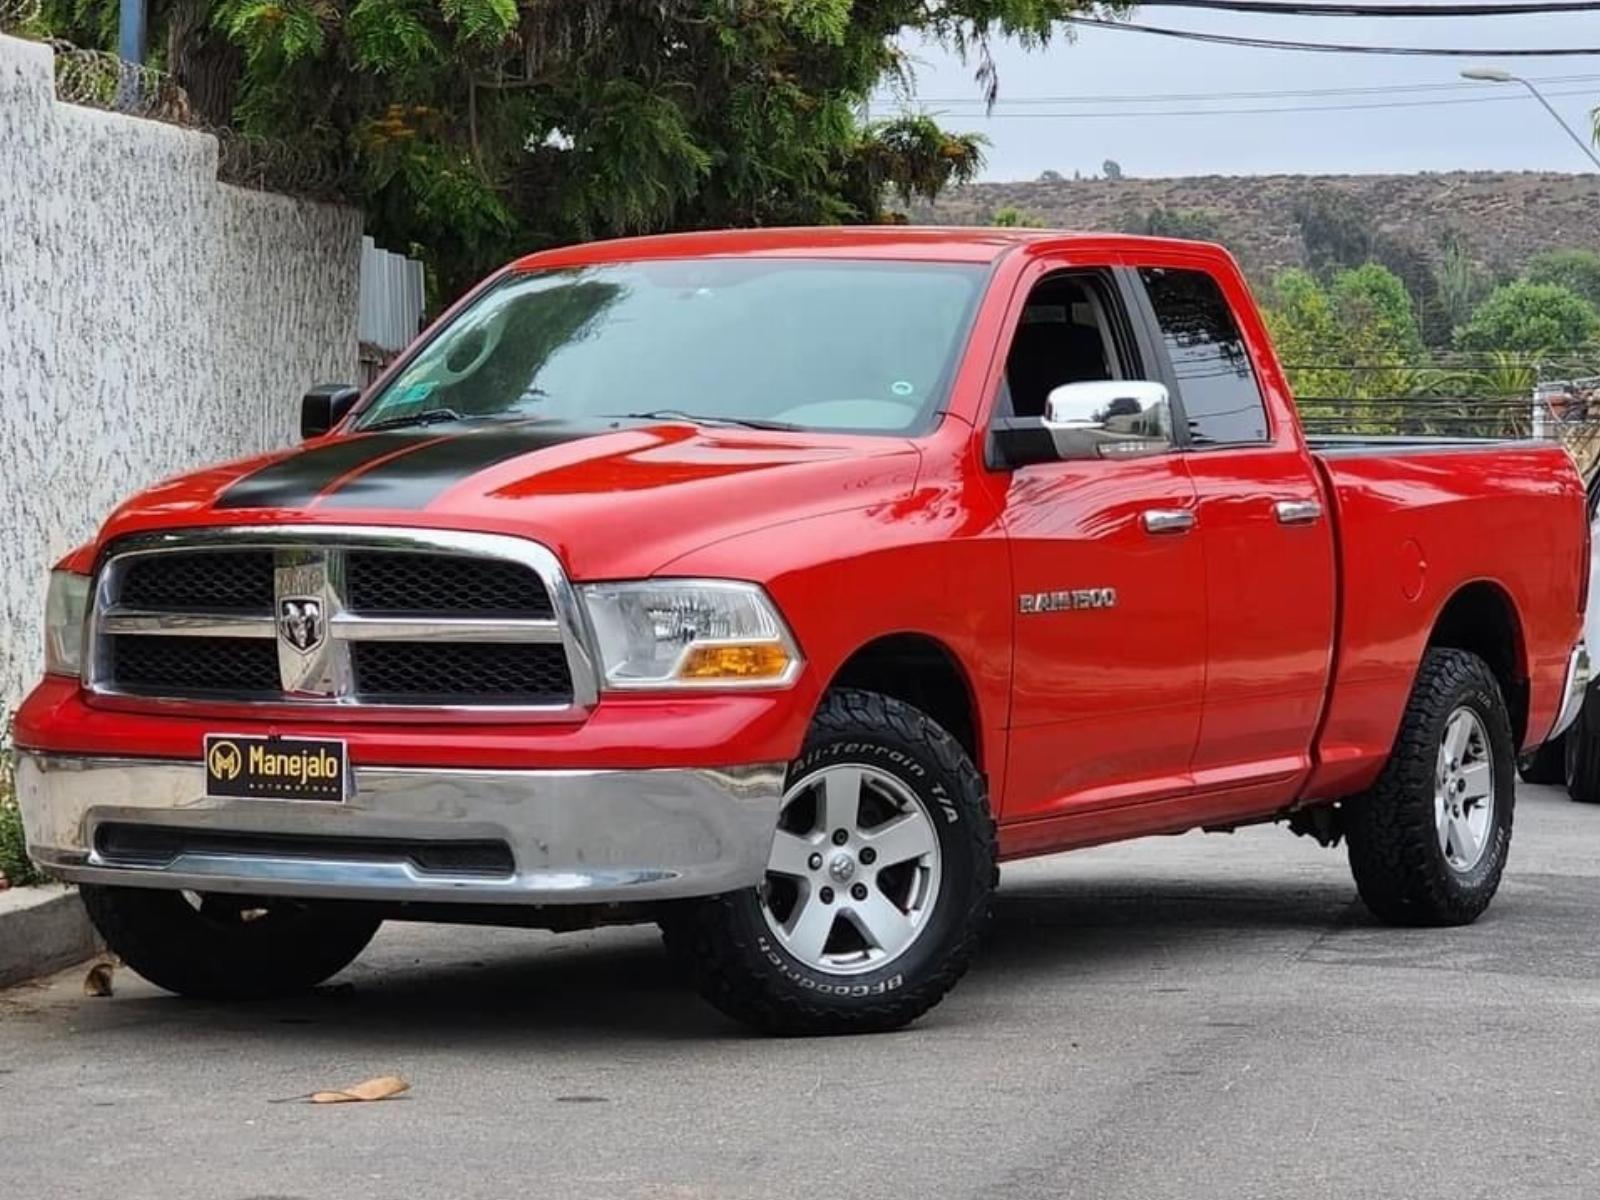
(260, 768)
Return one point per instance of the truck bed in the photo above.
(1430, 519)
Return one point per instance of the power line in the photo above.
(1275, 94)
(1338, 8)
(1280, 108)
(1227, 39)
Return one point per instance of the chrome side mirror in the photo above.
(1110, 418)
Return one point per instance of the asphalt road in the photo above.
(1206, 1016)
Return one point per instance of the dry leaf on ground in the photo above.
(382, 1088)
(98, 981)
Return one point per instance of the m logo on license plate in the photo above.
(242, 767)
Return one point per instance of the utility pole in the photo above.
(131, 32)
(131, 25)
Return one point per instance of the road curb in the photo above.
(42, 929)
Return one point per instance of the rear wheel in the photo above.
(220, 947)
(1582, 763)
(1546, 764)
(1429, 841)
(877, 887)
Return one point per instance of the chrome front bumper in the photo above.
(1577, 686)
(572, 837)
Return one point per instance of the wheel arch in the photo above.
(923, 671)
(1482, 618)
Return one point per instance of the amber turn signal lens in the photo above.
(756, 660)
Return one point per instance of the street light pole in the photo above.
(1494, 75)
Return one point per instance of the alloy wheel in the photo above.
(854, 871)
(1463, 792)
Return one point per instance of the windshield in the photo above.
(810, 343)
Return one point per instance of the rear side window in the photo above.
(1215, 381)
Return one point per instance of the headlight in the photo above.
(689, 633)
(64, 608)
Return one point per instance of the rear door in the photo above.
(1107, 571)
(1269, 549)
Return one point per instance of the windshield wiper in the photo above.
(428, 416)
(677, 414)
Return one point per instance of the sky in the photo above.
(1498, 127)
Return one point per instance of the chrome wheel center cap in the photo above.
(842, 867)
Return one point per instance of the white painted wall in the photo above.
(151, 320)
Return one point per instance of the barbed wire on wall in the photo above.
(274, 165)
(101, 79)
(98, 79)
(18, 14)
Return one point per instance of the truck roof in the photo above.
(968, 243)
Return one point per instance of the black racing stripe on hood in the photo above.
(415, 480)
(296, 481)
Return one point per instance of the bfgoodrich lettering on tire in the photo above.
(1429, 842)
(877, 889)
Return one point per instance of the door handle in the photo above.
(1297, 512)
(1167, 520)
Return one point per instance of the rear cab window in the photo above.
(1216, 384)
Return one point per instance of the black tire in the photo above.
(1546, 764)
(1582, 758)
(1395, 856)
(742, 969)
(227, 948)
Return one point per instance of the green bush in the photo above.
(1535, 318)
(14, 862)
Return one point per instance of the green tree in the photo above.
(481, 128)
(1306, 332)
(1339, 234)
(1459, 285)
(1111, 169)
(1576, 270)
(1349, 347)
(1533, 318)
(1377, 315)
(1196, 224)
(1012, 217)
(1335, 232)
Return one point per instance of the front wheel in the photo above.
(218, 947)
(1429, 841)
(877, 887)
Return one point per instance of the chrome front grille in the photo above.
(315, 615)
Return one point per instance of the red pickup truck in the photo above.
(773, 586)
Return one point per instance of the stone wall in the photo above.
(151, 320)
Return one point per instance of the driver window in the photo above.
(1065, 336)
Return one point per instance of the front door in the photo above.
(1109, 648)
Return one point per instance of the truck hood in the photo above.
(614, 500)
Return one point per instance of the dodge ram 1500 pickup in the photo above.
(773, 586)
